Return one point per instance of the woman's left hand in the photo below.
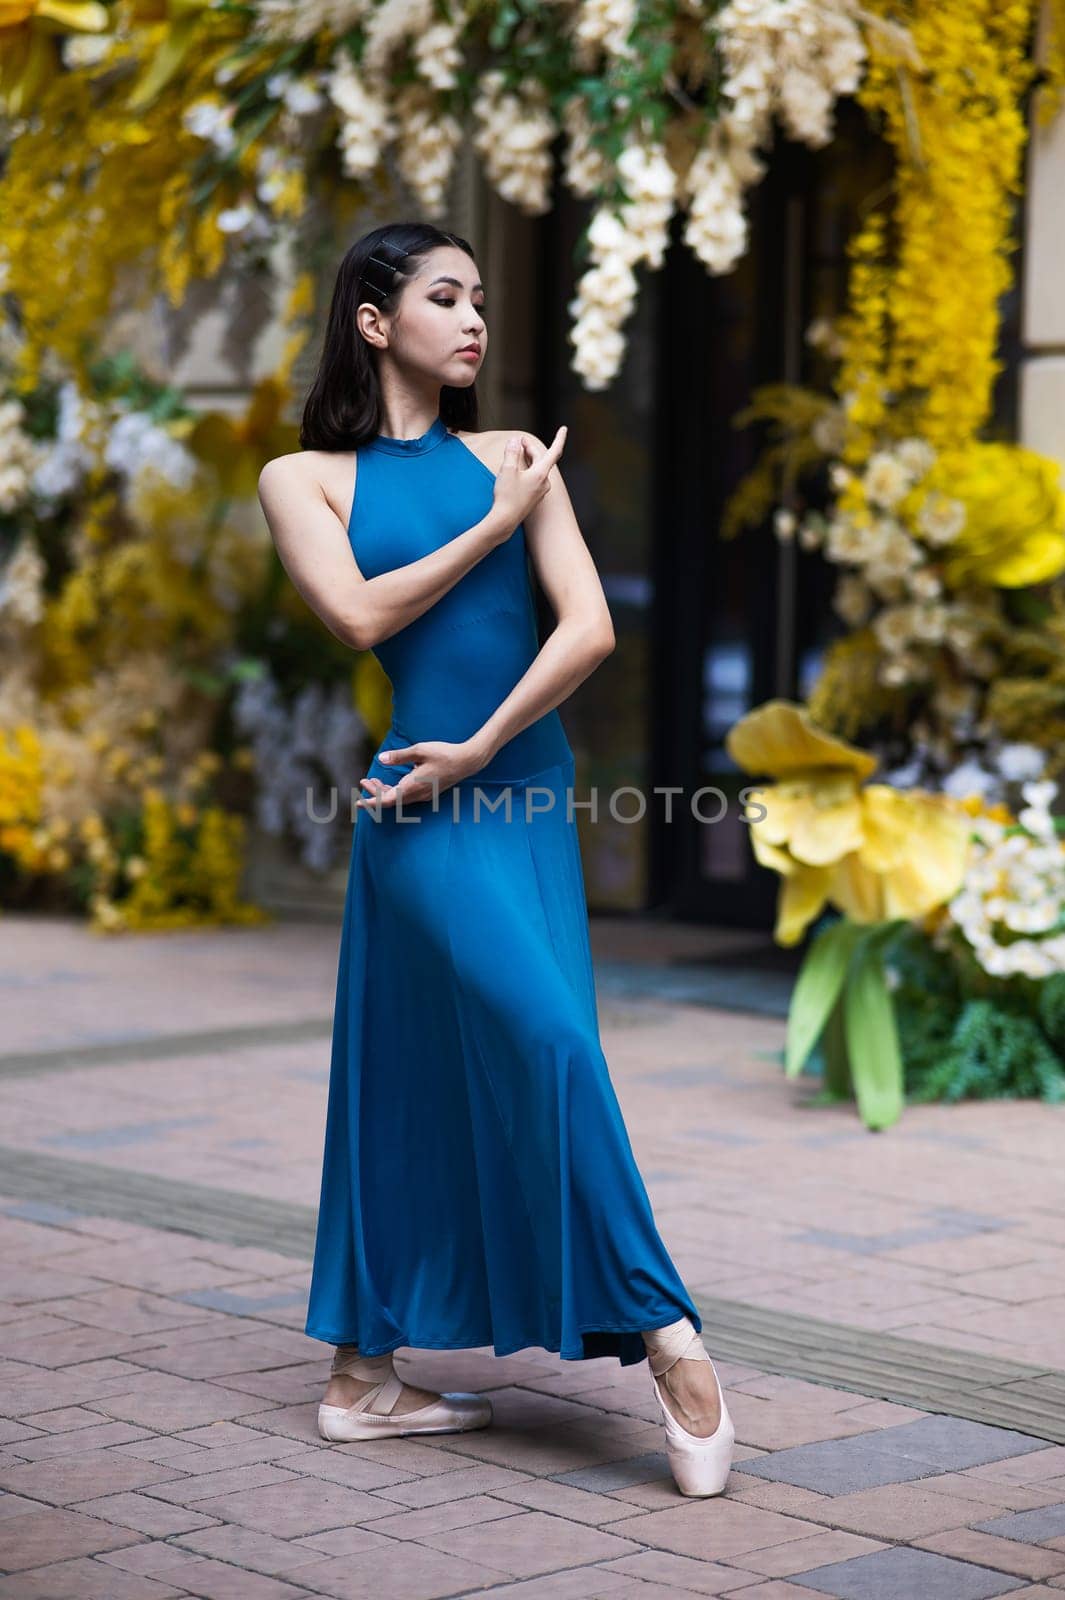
(435, 760)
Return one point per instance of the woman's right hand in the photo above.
(524, 478)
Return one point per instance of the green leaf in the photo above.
(817, 988)
(872, 1042)
(836, 1079)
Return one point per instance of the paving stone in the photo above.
(16, 1505)
(299, 1506)
(900, 1511)
(79, 1476)
(839, 1466)
(348, 1467)
(1032, 1527)
(142, 1512)
(188, 1491)
(645, 1468)
(170, 1404)
(401, 1572)
(42, 1447)
(577, 1505)
(1029, 1561)
(683, 1572)
(468, 1512)
(902, 1574)
(217, 1580)
(530, 1542)
(249, 1547)
(798, 1555)
(897, 1454)
(447, 1485)
(956, 1442)
(733, 1529)
(84, 1579)
(49, 1535)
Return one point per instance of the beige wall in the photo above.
(1042, 385)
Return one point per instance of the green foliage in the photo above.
(1005, 1043)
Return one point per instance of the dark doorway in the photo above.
(737, 621)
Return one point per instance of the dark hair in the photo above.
(343, 405)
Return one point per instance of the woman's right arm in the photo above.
(315, 551)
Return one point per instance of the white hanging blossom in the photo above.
(426, 147)
(585, 169)
(437, 55)
(366, 122)
(513, 135)
(619, 238)
(283, 20)
(788, 58)
(389, 27)
(602, 27)
(714, 185)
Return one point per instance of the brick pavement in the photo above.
(157, 1392)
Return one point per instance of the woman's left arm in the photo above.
(583, 634)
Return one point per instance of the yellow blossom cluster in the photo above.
(21, 784)
(186, 872)
(921, 334)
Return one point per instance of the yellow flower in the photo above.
(28, 58)
(1014, 528)
(237, 449)
(874, 853)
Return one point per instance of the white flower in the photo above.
(917, 456)
(1022, 763)
(784, 524)
(366, 125)
(86, 49)
(211, 120)
(138, 443)
(852, 600)
(940, 518)
(885, 479)
(234, 219)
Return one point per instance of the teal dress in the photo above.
(478, 1183)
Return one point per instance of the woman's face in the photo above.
(438, 328)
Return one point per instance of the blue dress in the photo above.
(478, 1183)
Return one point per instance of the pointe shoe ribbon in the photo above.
(700, 1466)
(372, 1416)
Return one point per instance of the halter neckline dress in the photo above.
(478, 1183)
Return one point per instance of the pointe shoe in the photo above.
(700, 1466)
(372, 1417)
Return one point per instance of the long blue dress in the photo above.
(478, 1183)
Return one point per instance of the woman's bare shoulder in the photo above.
(327, 473)
(488, 446)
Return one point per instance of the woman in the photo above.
(478, 1184)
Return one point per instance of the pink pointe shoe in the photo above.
(371, 1416)
(700, 1466)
